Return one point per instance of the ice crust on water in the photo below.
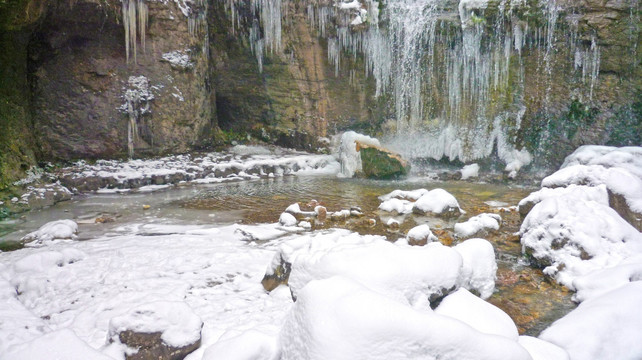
(348, 155)
(475, 224)
(339, 318)
(175, 320)
(54, 230)
(603, 327)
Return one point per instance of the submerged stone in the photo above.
(380, 163)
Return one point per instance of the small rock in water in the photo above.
(322, 213)
(287, 219)
(393, 224)
(420, 235)
(146, 207)
(104, 219)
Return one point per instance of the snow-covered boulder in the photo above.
(604, 327)
(159, 330)
(601, 281)
(479, 314)
(479, 267)
(394, 205)
(399, 271)
(54, 230)
(420, 235)
(339, 318)
(287, 219)
(580, 192)
(437, 202)
(573, 237)
(478, 225)
(628, 157)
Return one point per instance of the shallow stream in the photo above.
(531, 299)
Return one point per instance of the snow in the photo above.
(54, 230)
(604, 327)
(349, 157)
(477, 224)
(339, 318)
(287, 219)
(479, 267)
(404, 195)
(354, 4)
(61, 344)
(436, 201)
(601, 281)
(421, 233)
(400, 272)
(179, 59)
(577, 237)
(177, 322)
(397, 205)
(618, 180)
(479, 314)
(542, 350)
(249, 345)
(470, 171)
(579, 192)
(628, 158)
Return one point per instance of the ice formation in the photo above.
(348, 155)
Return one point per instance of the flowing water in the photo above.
(531, 299)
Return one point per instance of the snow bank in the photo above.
(574, 237)
(470, 171)
(54, 230)
(339, 318)
(177, 322)
(604, 327)
(479, 314)
(477, 224)
(437, 201)
(349, 157)
(61, 344)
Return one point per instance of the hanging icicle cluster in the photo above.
(135, 23)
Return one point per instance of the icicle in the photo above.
(135, 14)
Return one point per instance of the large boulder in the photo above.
(381, 163)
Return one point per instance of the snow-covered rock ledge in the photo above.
(240, 163)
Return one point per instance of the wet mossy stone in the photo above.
(380, 163)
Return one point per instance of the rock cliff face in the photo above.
(461, 79)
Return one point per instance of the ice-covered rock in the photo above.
(159, 330)
(349, 155)
(470, 171)
(420, 235)
(574, 237)
(604, 327)
(438, 202)
(339, 318)
(54, 230)
(478, 225)
(479, 314)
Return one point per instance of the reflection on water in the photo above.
(524, 293)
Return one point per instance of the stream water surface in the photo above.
(530, 298)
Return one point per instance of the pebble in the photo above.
(146, 207)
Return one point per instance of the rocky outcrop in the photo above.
(380, 163)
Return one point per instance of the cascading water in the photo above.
(453, 71)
